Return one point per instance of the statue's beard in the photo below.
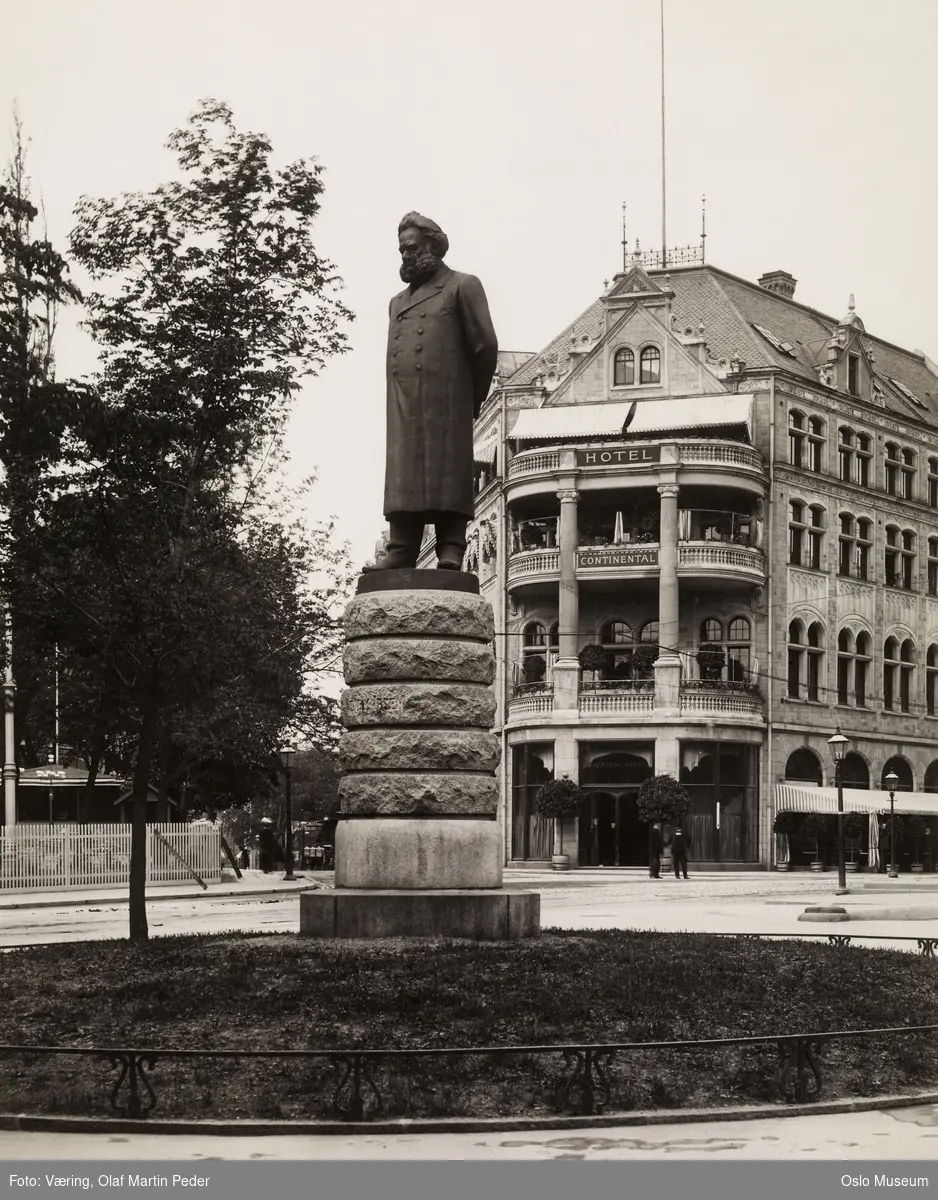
(420, 268)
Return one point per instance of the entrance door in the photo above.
(632, 833)
(610, 833)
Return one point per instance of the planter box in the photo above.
(560, 862)
(852, 866)
(817, 866)
(782, 866)
(918, 868)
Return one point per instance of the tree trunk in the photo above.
(138, 830)
(87, 798)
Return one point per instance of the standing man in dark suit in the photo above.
(679, 849)
(442, 354)
(655, 846)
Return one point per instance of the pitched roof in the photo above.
(730, 308)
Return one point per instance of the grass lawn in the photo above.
(252, 992)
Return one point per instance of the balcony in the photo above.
(718, 559)
(630, 697)
(739, 702)
(728, 454)
(532, 566)
(531, 700)
(534, 462)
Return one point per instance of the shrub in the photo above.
(643, 661)
(592, 658)
(711, 659)
(662, 798)
(854, 825)
(814, 826)
(559, 798)
(787, 822)
(534, 668)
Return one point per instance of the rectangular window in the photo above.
(814, 676)
(933, 578)
(845, 556)
(531, 834)
(889, 674)
(794, 674)
(862, 669)
(863, 561)
(795, 543)
(853, 375)
(843, 680)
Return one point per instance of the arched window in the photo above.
(854, 773)
(797, 533)
(711, 631)
(805, 654)
(931, 776)
(796, 438)
(846, 450)
(816, 438)
(900, 558)
(907, 474)
(796, 650)
(649, 634)
(933, 566)
(898, 671)
(901, 768)
(853, 667)
(803, 766)
(863, 458)
(933, 482)
(815, 536)
(618, 642)
(931, 679)
(892, 469)
(541, 639)
(623, 368)
(650, 364)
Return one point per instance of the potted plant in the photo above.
(643, 661)
(711, 659)
(533, 669)
(648, 527)
(915, 830)
(812, 827)
(854, 824)
(556, 799)
(592, 658)
(785, 824)
(662, 798)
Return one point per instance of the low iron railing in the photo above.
(587, 1084)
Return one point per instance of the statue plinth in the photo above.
(418, 849)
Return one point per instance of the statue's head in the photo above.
(423, 245)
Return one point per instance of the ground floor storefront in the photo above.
(721, 777)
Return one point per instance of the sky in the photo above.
(520, 127)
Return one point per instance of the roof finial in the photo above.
(851, 306)
(625, 241)
(703, 228)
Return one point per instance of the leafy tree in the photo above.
(157, 550)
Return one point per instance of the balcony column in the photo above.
(566, 673)
(668, 665)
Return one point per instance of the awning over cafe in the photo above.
(631, 418)
(803, 798)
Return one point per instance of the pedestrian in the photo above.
(679, 848)
(655, 846)
(245, 858)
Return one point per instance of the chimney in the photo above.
(779, 282)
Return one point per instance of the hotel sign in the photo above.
(618, 556)
(626, 456)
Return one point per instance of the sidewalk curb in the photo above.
(24, 1123)
(79, 902)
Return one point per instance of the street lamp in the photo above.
(286, 757)
(892, 782)
(838, 744)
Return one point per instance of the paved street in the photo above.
(909, 1133)
(719, 903)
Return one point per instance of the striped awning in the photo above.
(485, 451)
(629, 418)
(793, 797)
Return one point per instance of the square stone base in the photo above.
(485, 915)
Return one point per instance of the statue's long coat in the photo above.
(442, 353)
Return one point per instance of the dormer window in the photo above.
(651, 365)
(623, 368)
(853, 374)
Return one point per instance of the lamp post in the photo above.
(892, 782)
(838, 744)
(286, 757)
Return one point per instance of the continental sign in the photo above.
(618, 556)
(627, 456)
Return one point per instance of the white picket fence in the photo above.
(63, 855)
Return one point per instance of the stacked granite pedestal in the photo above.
(418, 851)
